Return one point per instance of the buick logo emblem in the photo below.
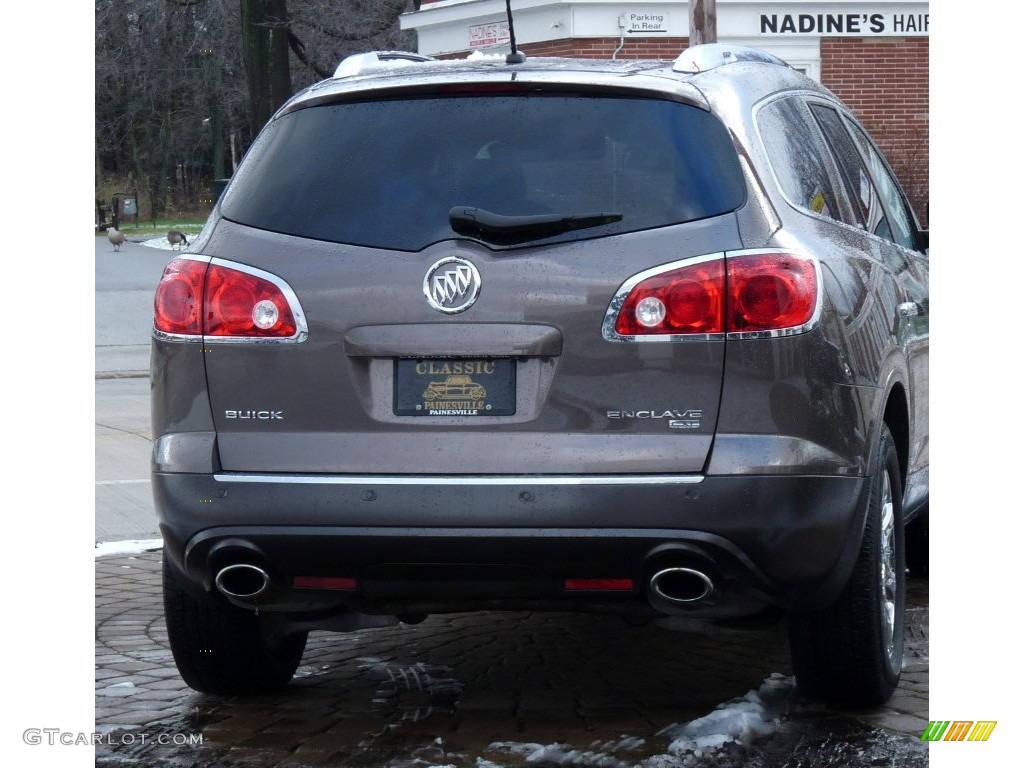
(451, 285)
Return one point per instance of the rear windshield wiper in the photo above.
(506, 230)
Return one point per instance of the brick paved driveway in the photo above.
(476, 691)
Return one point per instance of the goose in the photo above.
(176, 238)
(115, 238)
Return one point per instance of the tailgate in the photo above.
(520, 382)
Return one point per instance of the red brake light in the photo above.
(689, 299)
(195, 298)
(240, 304)
(769, 291)
(477, 88)
(745, 293)
(179, 298)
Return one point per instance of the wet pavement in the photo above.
(490, 690)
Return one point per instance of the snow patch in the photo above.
(481, 56)
(129, 547)
(742, 720)
(164, 244)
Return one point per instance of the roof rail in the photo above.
(359, 63)
(700, 58)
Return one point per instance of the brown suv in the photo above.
(685, 307)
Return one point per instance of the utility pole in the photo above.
(703, 22)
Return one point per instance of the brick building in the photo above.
(873, 55)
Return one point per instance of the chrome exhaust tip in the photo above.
(681, 585)
(242, 580)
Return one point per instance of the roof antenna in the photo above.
(515, 57)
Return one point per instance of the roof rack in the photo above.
(700, 58)
(360, 63)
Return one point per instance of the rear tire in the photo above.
(222, 649)
(851, 653)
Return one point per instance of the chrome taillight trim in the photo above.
(177, 337)
(461, 480)
(301, 326)
(609, 333)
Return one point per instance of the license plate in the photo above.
(455, 387)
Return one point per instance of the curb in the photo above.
(122, 374)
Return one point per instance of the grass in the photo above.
(160, 227)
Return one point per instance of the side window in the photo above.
(799, 160)
(902, 229)
(858, 183)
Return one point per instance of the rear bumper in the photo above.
(406, 544)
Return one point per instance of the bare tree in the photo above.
(322, 37)
(180, 81)
(160, 70)
(265, 32)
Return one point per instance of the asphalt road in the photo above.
(475, 691)
(125, 281)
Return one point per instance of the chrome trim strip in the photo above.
(489, 480)
(195, 257)
(176, 337)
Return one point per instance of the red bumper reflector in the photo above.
(322, 582)
(599, 585)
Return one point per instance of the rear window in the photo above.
(387, 173)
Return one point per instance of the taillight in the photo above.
(178, 306)
(746, 292)
(196, 298)
(689, 299)
(771, 291)
(242, 304)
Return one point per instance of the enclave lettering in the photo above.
(690, 414)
